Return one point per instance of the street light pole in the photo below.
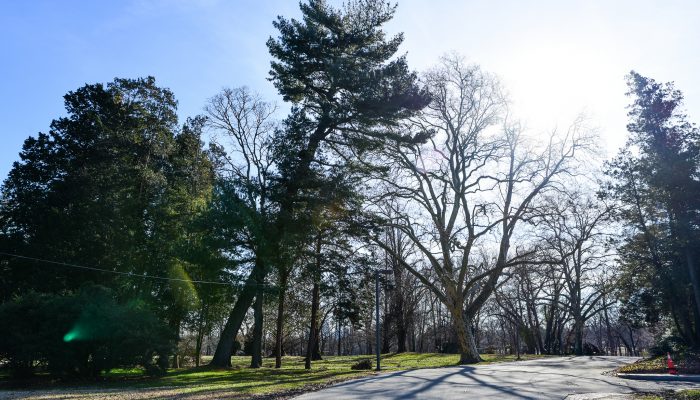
(376, 279)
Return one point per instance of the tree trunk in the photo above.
(222, 355)
(578, 336)
(517, 341)
(386, 325)
(634, 346)
(400, 318)
(613, 347)
(312, 352)
(692, 273)
(200, 334)
(176, 356)
(198, 351)
(279, 331)
(468, 353)
(256, 357)
(224, 349)
(338, 329)
(316, 355)
(312, 348)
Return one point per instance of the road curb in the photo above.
(661, 377)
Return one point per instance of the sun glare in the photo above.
(551, 82)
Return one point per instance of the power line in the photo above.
(131, 274)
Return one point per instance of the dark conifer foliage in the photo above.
(118, 187)
(655, 178)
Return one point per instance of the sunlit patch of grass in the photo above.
(656, 365)
(124, 372)
(688, 394)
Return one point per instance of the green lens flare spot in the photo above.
(72, 335)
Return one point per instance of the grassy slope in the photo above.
(244, 381)
(688, 394)
(655, 365)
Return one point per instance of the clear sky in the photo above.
(556, 58)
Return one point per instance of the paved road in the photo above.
(549, 378)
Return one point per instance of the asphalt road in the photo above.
(549, 378)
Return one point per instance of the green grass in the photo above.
(241, 381)
(655, 365)
(688, 394)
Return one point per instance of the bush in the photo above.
(668, 344)
(365, 363)
(81, 335)
(589, 349)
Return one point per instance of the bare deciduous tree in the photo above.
(463, 193)
(575, 228)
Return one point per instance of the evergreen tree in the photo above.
(655, 180)
(115, 185)
(339, 71)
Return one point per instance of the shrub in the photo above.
(23, 333)
(589, 349)
(668, 344)
(365, 363)
(82, 335)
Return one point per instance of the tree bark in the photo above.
(256, 357)
(200, 333)
(280, 319)
(399, 311)
(338, 331)
(176, 356)
(578, 335)
(468, 353)
(312, 352)
(695, 283)
(224, 349)
(312, 348)
(386, 326)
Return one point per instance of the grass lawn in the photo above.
(688, 394)
(242, 382)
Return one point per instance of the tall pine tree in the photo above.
(346, 85)
(655, 178)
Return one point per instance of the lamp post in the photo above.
(378, 335)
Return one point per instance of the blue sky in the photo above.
(555, 58)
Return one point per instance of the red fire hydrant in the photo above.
(669, 364)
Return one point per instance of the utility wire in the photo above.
(163, 278)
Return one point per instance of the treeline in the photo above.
(266, 239)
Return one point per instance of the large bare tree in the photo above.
(463, 193)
